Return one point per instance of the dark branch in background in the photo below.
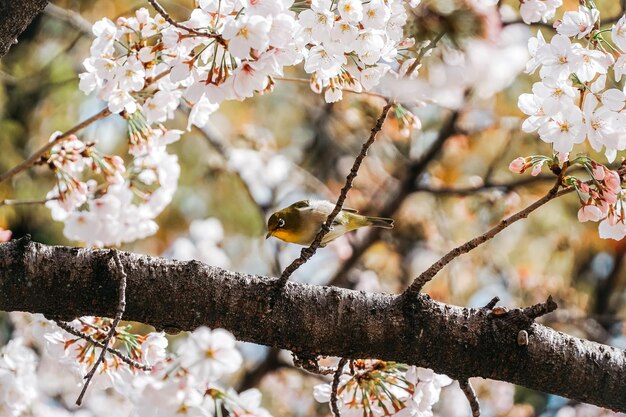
(307, 253)
(118, 269)
(335, 387)
(470, 394)
(429, 273)
(65, 283)
(15, 16)
(407, 186)
(70, 17)
(65, 326)
(486, 187)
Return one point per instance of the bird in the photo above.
(301, 222)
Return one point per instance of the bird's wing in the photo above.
(300, 205)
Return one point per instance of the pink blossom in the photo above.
(613, 181)
(589, 213)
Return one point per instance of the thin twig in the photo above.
(470, 394)
(427, 275)
(121, 306)
(492, 303)
(124, 358)
(36, 156)
(307, 253)
(25, 202)
(431, 45)
(335, 387)
(540, 309)
(173, 22)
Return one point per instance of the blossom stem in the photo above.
(155, 4)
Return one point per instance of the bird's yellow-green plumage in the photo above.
(300, 222)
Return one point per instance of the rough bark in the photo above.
(63, 282)
(15, 16)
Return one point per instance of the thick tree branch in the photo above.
(15, 16)
(64, 283)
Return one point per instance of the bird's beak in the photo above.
(268, 235)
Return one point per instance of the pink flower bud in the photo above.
(598, 172)
(562, 156)
(536, 169)
(518, 165)
(584, 187)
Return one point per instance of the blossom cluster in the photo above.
(378, 388)
(574, 103)
(368, 35)
(182, 382)
(602, 200)
(121, 207)
(228, 50)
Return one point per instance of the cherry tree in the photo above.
(425, 77)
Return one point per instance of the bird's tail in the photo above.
(383, 222)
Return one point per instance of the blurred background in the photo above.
(439, 169)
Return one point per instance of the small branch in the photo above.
(335, 387)
(36, 156)
(307, 253)
(121, 306)
(491, 304)
(540, 309)
(427, 275)
(486, 187)
(155, 4)
(25, 202)
(431, 45)
(607, 21)
(125, 358)
(470, 394)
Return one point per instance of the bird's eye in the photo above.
(281, 223)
